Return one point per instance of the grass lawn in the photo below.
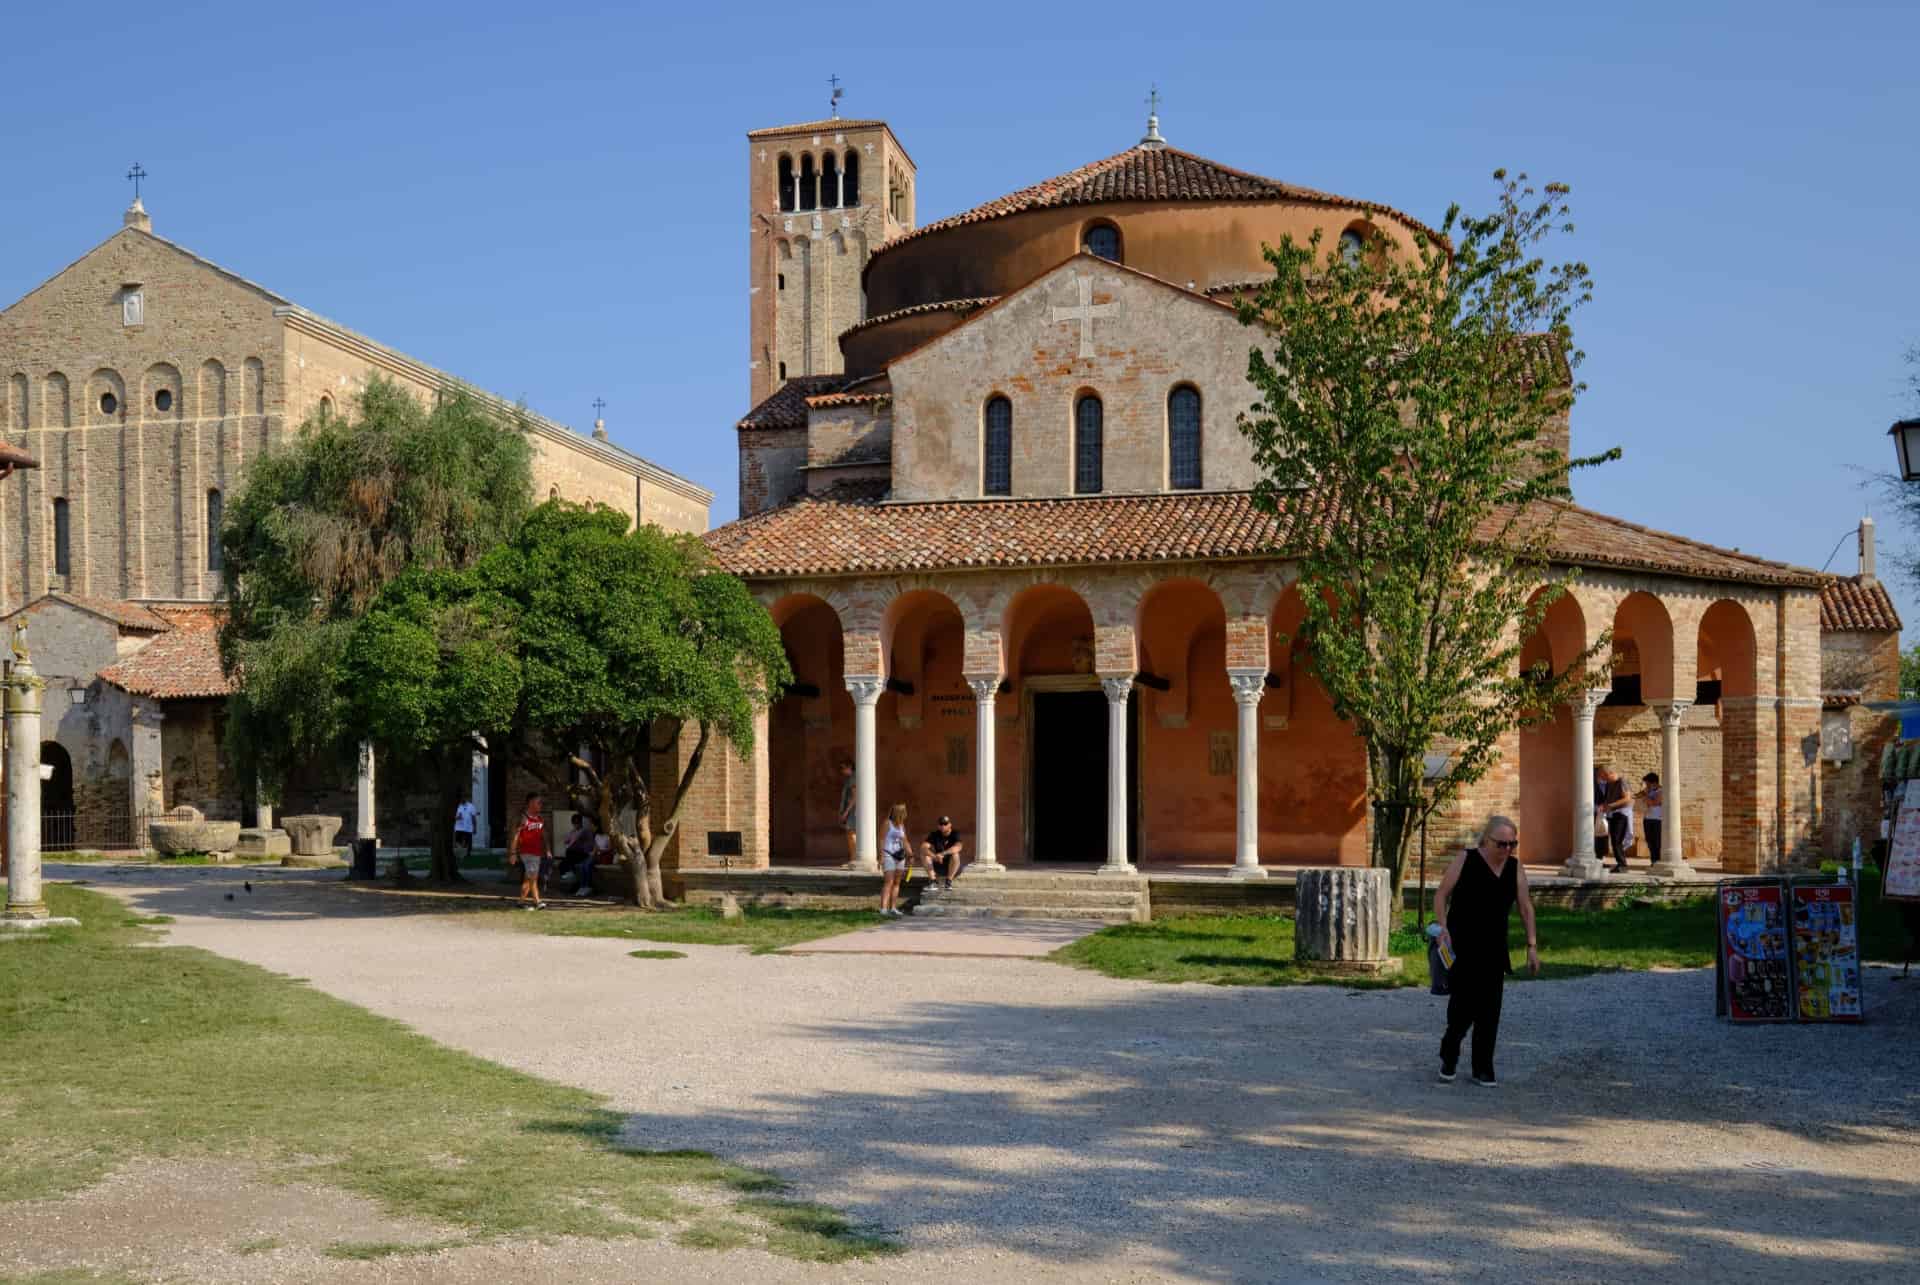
(116, 1052)
(762, 928)
(1257, 950)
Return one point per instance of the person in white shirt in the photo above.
(464, 818)
(1654, 813)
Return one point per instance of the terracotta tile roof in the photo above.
(944, 305)
(808, 126)
(849, 399)
(181, 663)
(786, 407)
(127, 615)
(1847, 605)
(1144, 173)
(840, 534)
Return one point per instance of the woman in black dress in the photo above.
(1475, 899)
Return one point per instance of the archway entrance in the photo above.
(56, 799)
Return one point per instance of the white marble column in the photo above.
(986, 855)
(1672, 863)
(26, 903)
(866, 788)
(1117, 688)
(366, 824)
(482, 795)
(1582, 864)
(1248, 686)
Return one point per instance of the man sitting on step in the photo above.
(941, 852)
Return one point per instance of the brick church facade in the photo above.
(1007, 534)
(145, 379)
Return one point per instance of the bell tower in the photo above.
(821, 196)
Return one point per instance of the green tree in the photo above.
(626, 640)
(1910, 673)
(1407, 394)
(323, 523)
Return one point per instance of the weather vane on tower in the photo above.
(834, 103)
(136, 174)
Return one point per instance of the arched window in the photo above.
(215, 512)
(1088, 429)
(850, 179)
(326, 406)
(62, 541)
(1103, 239)
(1183, 439)
(809, 183)
(997, 469)
(786, 184)
(1352, 247)
(829, 181)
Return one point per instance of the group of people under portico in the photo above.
(940, 852)
(1613, 815)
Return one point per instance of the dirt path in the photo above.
(1016, 1119)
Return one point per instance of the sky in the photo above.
(550, 201)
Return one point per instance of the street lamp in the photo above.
(1906, 443)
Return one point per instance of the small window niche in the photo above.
(133, 304)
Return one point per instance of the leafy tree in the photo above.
(1406, 398)
(1910, 673)
(323, 523)
(626, 639)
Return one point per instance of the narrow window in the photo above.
(783, 370)
(809, 183)
(62, 545)
(781, 277)
(1103, 239)
(1352, 246)
(786, 183)
(109, 404)
(214, 512)
(829, 181)
(1087, 429)
(850, 179)
(1183, 432)
(998, 479)
(163, 400)
(326, 407)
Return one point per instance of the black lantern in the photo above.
(1906, 441)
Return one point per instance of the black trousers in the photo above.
(1653, 837)
(1474, 1004)
(1617, 824)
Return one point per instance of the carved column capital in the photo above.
(984, 689)
(866, 690)
(1249, 685)
(1670, 711)
(1585, 703)
(1116, 686)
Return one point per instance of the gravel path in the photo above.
(1017, 1119)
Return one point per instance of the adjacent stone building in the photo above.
(1012, 550)
(146, 379)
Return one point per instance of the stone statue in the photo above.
(20, 640)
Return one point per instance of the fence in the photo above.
(104, 829)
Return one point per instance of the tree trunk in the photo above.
(1396, 812)
(452, 772)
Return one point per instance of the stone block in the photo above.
(311, 835)
(1344, 915)
(181, 834)
(263, 843)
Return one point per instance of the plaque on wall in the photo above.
(723, 843)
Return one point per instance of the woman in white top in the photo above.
(1653, 815)
(895, 853)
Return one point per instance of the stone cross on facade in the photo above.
(1084, 313)
(136, 174)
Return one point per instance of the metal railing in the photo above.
(93, 829)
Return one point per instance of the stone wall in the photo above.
(771, 461)
(1851, 801)
(195, 772)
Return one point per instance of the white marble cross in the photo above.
(1084, 313)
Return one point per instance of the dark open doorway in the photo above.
(1070, 776)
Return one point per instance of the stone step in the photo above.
(1103, 915)
(1022, 879)
(962, 896)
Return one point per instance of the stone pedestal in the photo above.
(185, 830)
(1344, 915)
(256, 843)
(310, 841)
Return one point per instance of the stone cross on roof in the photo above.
(136, 174)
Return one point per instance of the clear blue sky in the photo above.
(550, 199)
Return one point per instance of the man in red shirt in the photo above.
(532, 845)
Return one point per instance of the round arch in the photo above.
(1642, 621)
(809, 736)
(1313, 766)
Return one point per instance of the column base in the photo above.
(1122, 868)
(863, 868)
(13, 923)
(1590, 868)
(1669, 869)
(1247, 872)
(983, 868)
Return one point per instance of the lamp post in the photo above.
(1906, 445)
(1433, 768)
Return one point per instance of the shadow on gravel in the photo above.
(1300, 1136)
(282, 894)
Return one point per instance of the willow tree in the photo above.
(323, 523)
(1408, 400)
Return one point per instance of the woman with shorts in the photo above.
(895, 854)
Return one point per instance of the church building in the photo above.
(146, 379)
(1005, 527)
